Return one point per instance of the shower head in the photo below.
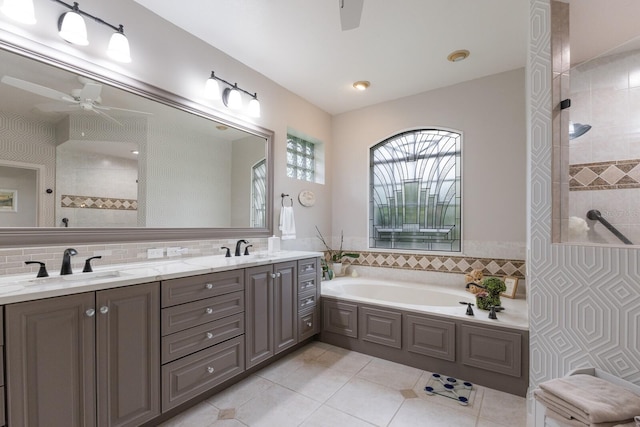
(577, 129)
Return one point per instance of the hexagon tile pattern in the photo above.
(584, 302)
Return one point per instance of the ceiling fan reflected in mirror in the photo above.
(350, 13)
(86, 98)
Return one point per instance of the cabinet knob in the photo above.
(273, 275)
(210, 370)
(209, 310)
(209, 335)
(309, 324)
(278, 274)
(209, 286)
(104, 309)
(90, 312)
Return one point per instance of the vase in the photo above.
(337, 268)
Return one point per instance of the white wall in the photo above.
(490, 112)
(26, 183)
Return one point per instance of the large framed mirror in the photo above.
(88, 158)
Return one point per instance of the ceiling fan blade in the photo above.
(36, 88)
(90, 91)
(350, 13)
(106, 116)
(55, 108)
(107, 108)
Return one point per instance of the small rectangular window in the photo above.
(301, 159)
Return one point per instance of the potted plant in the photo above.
(335, 257)
(490, 296)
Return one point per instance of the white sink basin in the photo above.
(96, 275)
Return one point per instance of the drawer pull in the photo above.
(90, 312)
(307, 284)
(278, 274)
(209, 310)
(309, 324)
(307, 301)
(210, 370)
(208, 286)
(209, 335)
(309, 267)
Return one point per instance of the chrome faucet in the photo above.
(66, 261)
(238, 243)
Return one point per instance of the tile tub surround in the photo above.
(323, 385)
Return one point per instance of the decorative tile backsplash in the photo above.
(91, 202)
(442, 263)
(612, 175)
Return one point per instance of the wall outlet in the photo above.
(174, 251)
(155, 253)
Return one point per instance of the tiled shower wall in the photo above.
(604, 163)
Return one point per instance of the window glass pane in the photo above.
(300, 159)
(415, 191)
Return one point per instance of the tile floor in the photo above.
(323, 385)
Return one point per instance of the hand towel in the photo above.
(287, 223)
(590, 399)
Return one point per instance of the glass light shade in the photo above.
(73, 29)
(212, 89)
(19, 10)
(254, 107)
(119, 48)
(232, 98)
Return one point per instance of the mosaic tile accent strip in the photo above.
(612, 175)
(90, 202)
(442, 263)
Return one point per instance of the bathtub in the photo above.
(423, 298)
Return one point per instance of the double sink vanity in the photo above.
(129, 345)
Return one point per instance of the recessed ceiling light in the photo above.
(362, 85)
(222, 127)
(458, 55)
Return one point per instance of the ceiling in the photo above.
(401, 46)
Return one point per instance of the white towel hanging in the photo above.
(287, 223)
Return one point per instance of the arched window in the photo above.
(415, 191)
(258, 194)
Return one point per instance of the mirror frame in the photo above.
(48, 236)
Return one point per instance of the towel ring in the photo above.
(283, 199)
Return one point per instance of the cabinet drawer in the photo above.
(308, 266)
(493, 350)
(185, 316)
(380, 326)
(186, 378)
(431, 337)
(188, 289)
(340, 318)
(309, 324)
(307, 284)
(307, 301)
(2, 411)
(194, 339)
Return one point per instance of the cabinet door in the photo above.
(259, 314)
(286, 305)
(51, 362)
(128, 354)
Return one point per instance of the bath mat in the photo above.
(449, 387)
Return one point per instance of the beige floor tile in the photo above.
(475, 398)
(316, 381)
(390, 374)
(240, 393)
(414, 412)
(499, 407)
(343, 360)
(201, 415)
(368, 401)
(277, 371)
(326, 416)
(277, 406)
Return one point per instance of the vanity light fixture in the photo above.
(362, 85)
(458, 55)
(19, 10)
(231, 95)
(73, 29)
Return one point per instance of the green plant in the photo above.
(336, 255)
(491, 295)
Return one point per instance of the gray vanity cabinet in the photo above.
(271, 310)
(90, 359)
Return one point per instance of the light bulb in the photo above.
(72, 28)
(212, 88)
(232, 99)
(119, 47)
(19, 10)
(254, 107)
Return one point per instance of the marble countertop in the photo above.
(27, 287)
